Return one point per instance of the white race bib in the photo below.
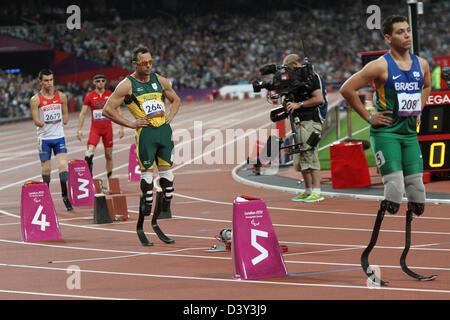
(153, 108)
(97, 114)
(409, 104)
(52, 113)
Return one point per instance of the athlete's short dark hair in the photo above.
(138, 50)
(99, 76)
(388, 23)
(44, 72)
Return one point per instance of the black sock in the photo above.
(46, 179)
(90, 161)
(63, 181)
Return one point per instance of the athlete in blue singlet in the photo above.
(403, 83)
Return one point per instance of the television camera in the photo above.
(289, 85)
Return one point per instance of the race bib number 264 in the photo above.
(153, 108)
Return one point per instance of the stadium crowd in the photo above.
(15, 93)
(16, 90)
(209, 49)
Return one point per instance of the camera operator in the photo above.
(307, 120)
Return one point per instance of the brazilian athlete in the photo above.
(402, 82)
(143, 93)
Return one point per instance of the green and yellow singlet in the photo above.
(401, 94)
(147, 100)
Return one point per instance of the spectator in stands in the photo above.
(211, 48)
(15, 93)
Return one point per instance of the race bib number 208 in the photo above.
(409, 104)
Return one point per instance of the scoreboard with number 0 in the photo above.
(434, 132)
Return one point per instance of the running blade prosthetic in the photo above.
(144, 210)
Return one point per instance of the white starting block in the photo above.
(223, 243)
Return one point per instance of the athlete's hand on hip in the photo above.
(169, 118)
(381, 118)
(140, 123)
(79, 135)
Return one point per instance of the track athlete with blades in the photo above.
(101, 127)
(50, 113)
(402, 82)
(144, 92)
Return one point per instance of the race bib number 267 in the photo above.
(52, 114)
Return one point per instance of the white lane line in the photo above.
(127, 148)
(47, 294)
(237, 282)
(229, 222)
(311, 210)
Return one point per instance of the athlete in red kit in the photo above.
(101, 127)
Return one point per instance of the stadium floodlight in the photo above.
(420, 8)
(413, 10)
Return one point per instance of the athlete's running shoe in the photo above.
(314, 197)
(302, 196)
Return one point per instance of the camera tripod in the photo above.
(296, 147)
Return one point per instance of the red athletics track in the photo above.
(325, 240)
